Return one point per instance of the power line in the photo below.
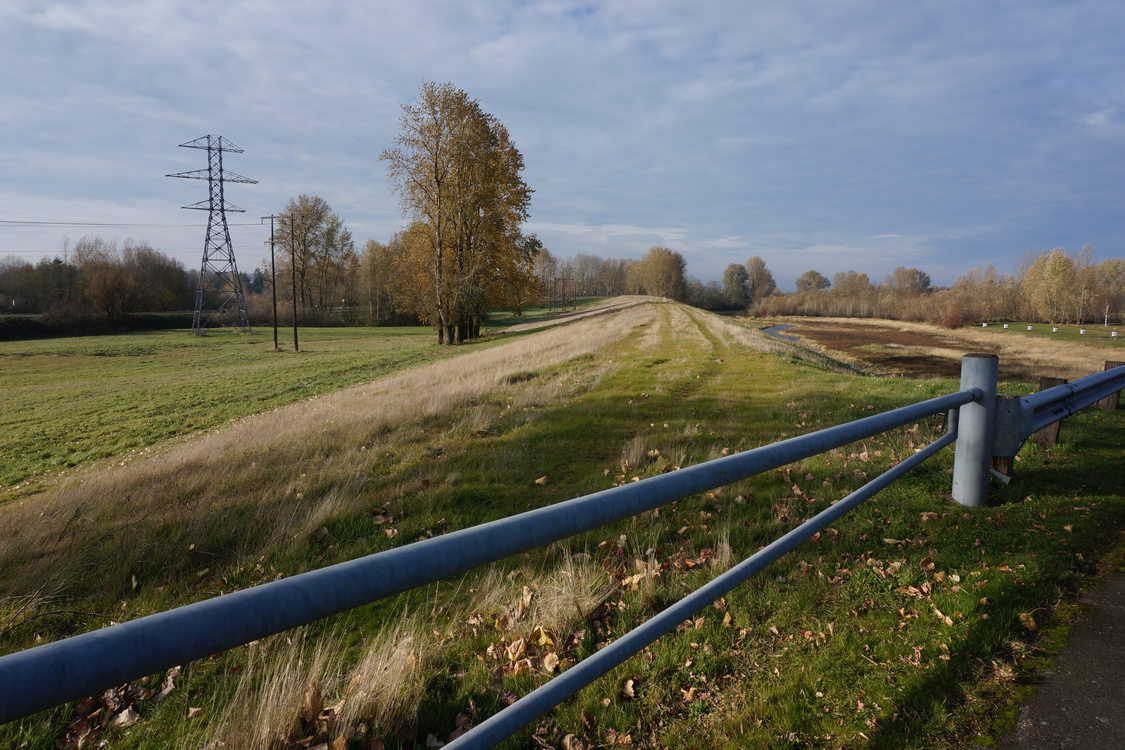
(10, 222)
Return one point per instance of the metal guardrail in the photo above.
(75, 667)
(1017, 418)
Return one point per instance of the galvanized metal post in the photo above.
(973, 458)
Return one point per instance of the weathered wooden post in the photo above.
(1111, 401)
(1004, 467)
(1049, 435)
(972, 460)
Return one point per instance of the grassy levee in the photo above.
(907, 624)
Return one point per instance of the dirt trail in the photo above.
(614, 304)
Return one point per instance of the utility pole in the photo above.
(220, 285)
(293, 273)
(273, 282)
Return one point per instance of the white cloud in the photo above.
(712, 128)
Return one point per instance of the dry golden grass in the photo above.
(281, 691)
(387, 684)
(552, 597)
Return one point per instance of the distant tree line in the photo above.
(96, 280)
(1053, 287)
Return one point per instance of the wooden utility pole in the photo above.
(293, 270)
(273, 282)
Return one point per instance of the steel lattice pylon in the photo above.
(220, 286)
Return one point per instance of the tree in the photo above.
(458, 177)
(909, 281)
(760, 281)
(1050, 286)
(660, 273)
(160, 281)
(811, 281)
(546, 267)
(314, 241)
(736, 292)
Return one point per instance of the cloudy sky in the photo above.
(828, 135)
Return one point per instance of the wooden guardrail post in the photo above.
(1049, 435)
(1110, 402)
(1004, 466)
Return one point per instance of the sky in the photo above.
(858, 135)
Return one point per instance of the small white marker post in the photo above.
(1005, 325)
(1113, 334)
(1029, 328)
(1054, 329)
(1082, 331)
(984, 325)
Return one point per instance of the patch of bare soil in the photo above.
(920, 350)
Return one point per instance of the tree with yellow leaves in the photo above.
(458, 176)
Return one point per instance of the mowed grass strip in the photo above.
(901, 626)
(70, 401)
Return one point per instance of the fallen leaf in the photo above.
(542, 638)
(1028, 621)
(541, 480)
(627, 691)
(192, 712)
(570, 742)
(311, 704)
(516, 648)
(126, 718)
(550, 662)
(927, 563)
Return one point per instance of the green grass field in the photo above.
(1096, 334)
(906, 625)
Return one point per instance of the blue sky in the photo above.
(825, 135)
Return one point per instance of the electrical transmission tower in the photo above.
(220, 286)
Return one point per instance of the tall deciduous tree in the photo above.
(810, 281)
(736, 290)
(459, 178)
(1050, 286)
(660, 273)
(759, 279)
(905, 280)
(314, 239)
